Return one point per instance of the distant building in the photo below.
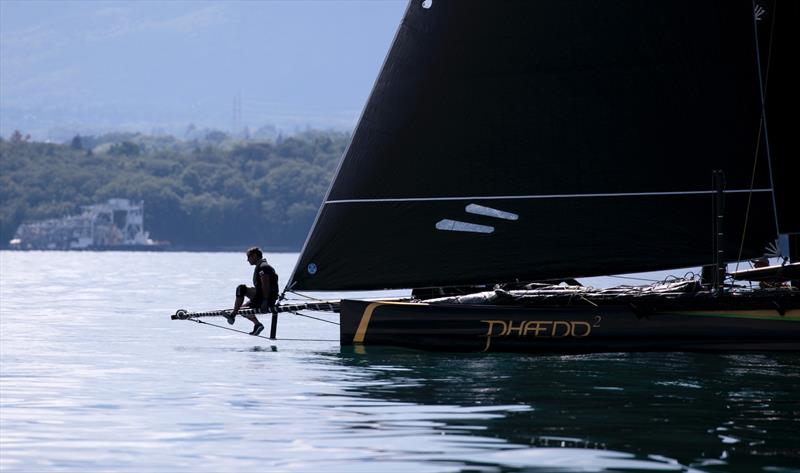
(119, 223)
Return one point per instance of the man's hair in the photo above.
(255, 251)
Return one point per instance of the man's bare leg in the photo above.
(241, 291)
(237, 304)
(252, 318)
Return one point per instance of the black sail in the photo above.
(525, 140)
(781, 76)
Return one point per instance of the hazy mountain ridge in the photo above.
(93, 67)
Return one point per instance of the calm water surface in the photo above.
(96, 377)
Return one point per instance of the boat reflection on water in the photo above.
(651, 411)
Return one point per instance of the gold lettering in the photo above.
(491, 325)
(511, 328)
(489, 331)
(561, 323)
(586, 326)
(537, 327)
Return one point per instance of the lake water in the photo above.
(96, 377)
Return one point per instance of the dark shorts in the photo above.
(256, 300)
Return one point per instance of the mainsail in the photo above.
(526, 140)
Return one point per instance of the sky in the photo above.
(90, 67)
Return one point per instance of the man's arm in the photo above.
(265, 285)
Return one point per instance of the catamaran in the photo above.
(509, 149)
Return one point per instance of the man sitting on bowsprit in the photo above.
(262, 295)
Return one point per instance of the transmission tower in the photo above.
(236, 125)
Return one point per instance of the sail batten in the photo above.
(552, 196)
(597, 123)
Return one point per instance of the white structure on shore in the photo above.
(116, 223)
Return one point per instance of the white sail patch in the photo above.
(490, 212)
(459, 226)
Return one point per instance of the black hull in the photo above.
(709, 326)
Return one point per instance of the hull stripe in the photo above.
(361, 332)
(362, 326)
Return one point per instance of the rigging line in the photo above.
(539, 196)
(228, 328)
(635, 279)
(345, 154)
(306, 296)
(762, 125)
(315, 318)
(749, 197)
(261, 336)
(763, 92)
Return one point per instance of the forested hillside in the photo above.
(214, 192)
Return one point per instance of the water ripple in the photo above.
(97, 378)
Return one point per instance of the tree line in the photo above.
(214, 192)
